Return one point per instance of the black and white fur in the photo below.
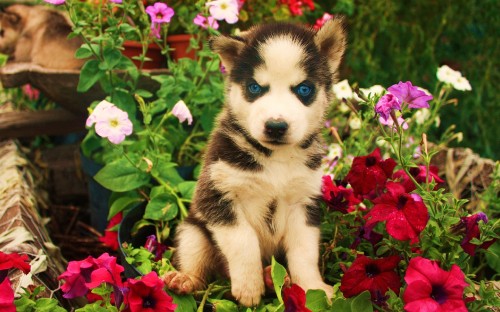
(258, 193)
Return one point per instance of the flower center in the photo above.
(414, 171)
(402, 202)
(148, 302)
(370, 161)
(439, 294)
(113, 123)
(159, 16)
(371, 270)
(223, 6)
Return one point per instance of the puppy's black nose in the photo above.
(275, 128)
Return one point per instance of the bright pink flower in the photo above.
(32, 93)
(432, 289)
(294, 299)
(205, 22)
(471, 226)
(374, 275)
(107, 271)
(322, 20)
(338, 198)
(407, 93)
(419, 174)
(110, 237)
(147, 294)
(405, 215)
(55, 2)
(7, 296)
(116, 1)
(155, 247)
(160, 13)
(369, 174)
(386, 104)
(76, 276)
(181, 111)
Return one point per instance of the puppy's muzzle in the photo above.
(275, 129)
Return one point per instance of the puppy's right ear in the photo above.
(11, 19)
(228, 49)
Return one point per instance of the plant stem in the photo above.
(205, 297)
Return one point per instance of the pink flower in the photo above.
(110, 237)
(147, 294)
(160, 13)
(32, 93)
(116, 1)
(390, 123)
(76, 277)
(405, 215)
(224, 10)
(181, 111)
(205, 22)
(110, 122)
(294, 299)
(99, 112)
(432, 289)
(55, 2)
(386, 105)
(7, 296)
(419, 174)
(471, 225)
(407, 93)
(322, 20)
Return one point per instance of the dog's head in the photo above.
(280, 78)
(11, 27)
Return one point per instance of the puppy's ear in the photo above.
(228, 49)
(11, 19)
(331, 41)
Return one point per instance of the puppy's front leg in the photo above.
(240, 245)
(302, 240)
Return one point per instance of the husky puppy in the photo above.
(38, 34)
(259, 191)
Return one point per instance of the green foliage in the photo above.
(30, 302)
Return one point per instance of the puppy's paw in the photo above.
(249, 290)
(181, 283)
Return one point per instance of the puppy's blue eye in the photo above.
(254, 88)
(303, 90)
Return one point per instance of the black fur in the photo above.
(269, 218)
(214, 206)
(314, 212)
(314, 161)
(232, 124)
(227, 150)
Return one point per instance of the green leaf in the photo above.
(48, 305)
(24, 304)
(83, 52)
(493, 256)
(94, 307)
(224, 305)
(111, 58)
(162, 208)
(187, 189)
(121, 176)
(316, 300)
(362, 302)
(122, 203)
(89, 75)
(184, 303)
(278, 273)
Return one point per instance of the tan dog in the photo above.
(38, 35)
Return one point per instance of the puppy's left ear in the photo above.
(228, 49)
(331, 41)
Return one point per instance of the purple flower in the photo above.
(206, 22)
(55, 2)
(386, 105)
(116, 1)
(390, 123)
(407, 93)
(160, 13)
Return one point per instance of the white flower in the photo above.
(112, 123)
(373, 90)
(453, 78)
(334, 151)
(98, 112)
(224, 10)
(462, 84)
(342, 90)
(181, 111)
(344, 108)
(355, 123)
(421, 115)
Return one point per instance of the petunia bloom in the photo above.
(55, 2)
(369, 174)
(374, 275)
(431, 288)
(386, 104)
(224, 10)
(420, 175)
(114, 125)
(205, 22)
(322, 20)
(471, 227)
(76, 276)
(390, 123)
(294, 298)
(181, 111)
(413, 96)
(7, 296)
(155, 247)
(13, 260)
(110, 237)
(405, 214)
(160, 13)
(338, 198)
(147, 294)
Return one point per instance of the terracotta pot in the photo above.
(134, 48)
(180, 45)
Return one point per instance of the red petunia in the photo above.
(7, 296)
(13, 260)
(374, 275)
(110, 237)
(294, 298)
(431, 288)
(107, 271)
(369, 174)
(147, 295)
(419, 174)
(76, 276)
(472, 231)
(405, 214)
(338, 198)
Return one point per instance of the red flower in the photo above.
(338, 198)
(6, 296)
(13, 260)
(375, 275)
(110, 237)
(431, 288)
(472, 231)
(147, 294)
(294, 299)
(155, 247)
(405, 214)
(368, 174)
(419, 174)
(76, 276)
(107, 271)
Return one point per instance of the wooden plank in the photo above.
(30, 124)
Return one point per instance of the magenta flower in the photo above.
(294, 298)
(76, 277)
(205, 22)
(338, 198)
(386, 105)
(432, 289)
(322, 20)
(147, 294)
(405, 215)
(420, 175)
(55, 2)
(407, 93)
(7, 262)
(107, 271)
(7, 296)
(160, 13)
(116, 1)
(181, 111)
(471, 225)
